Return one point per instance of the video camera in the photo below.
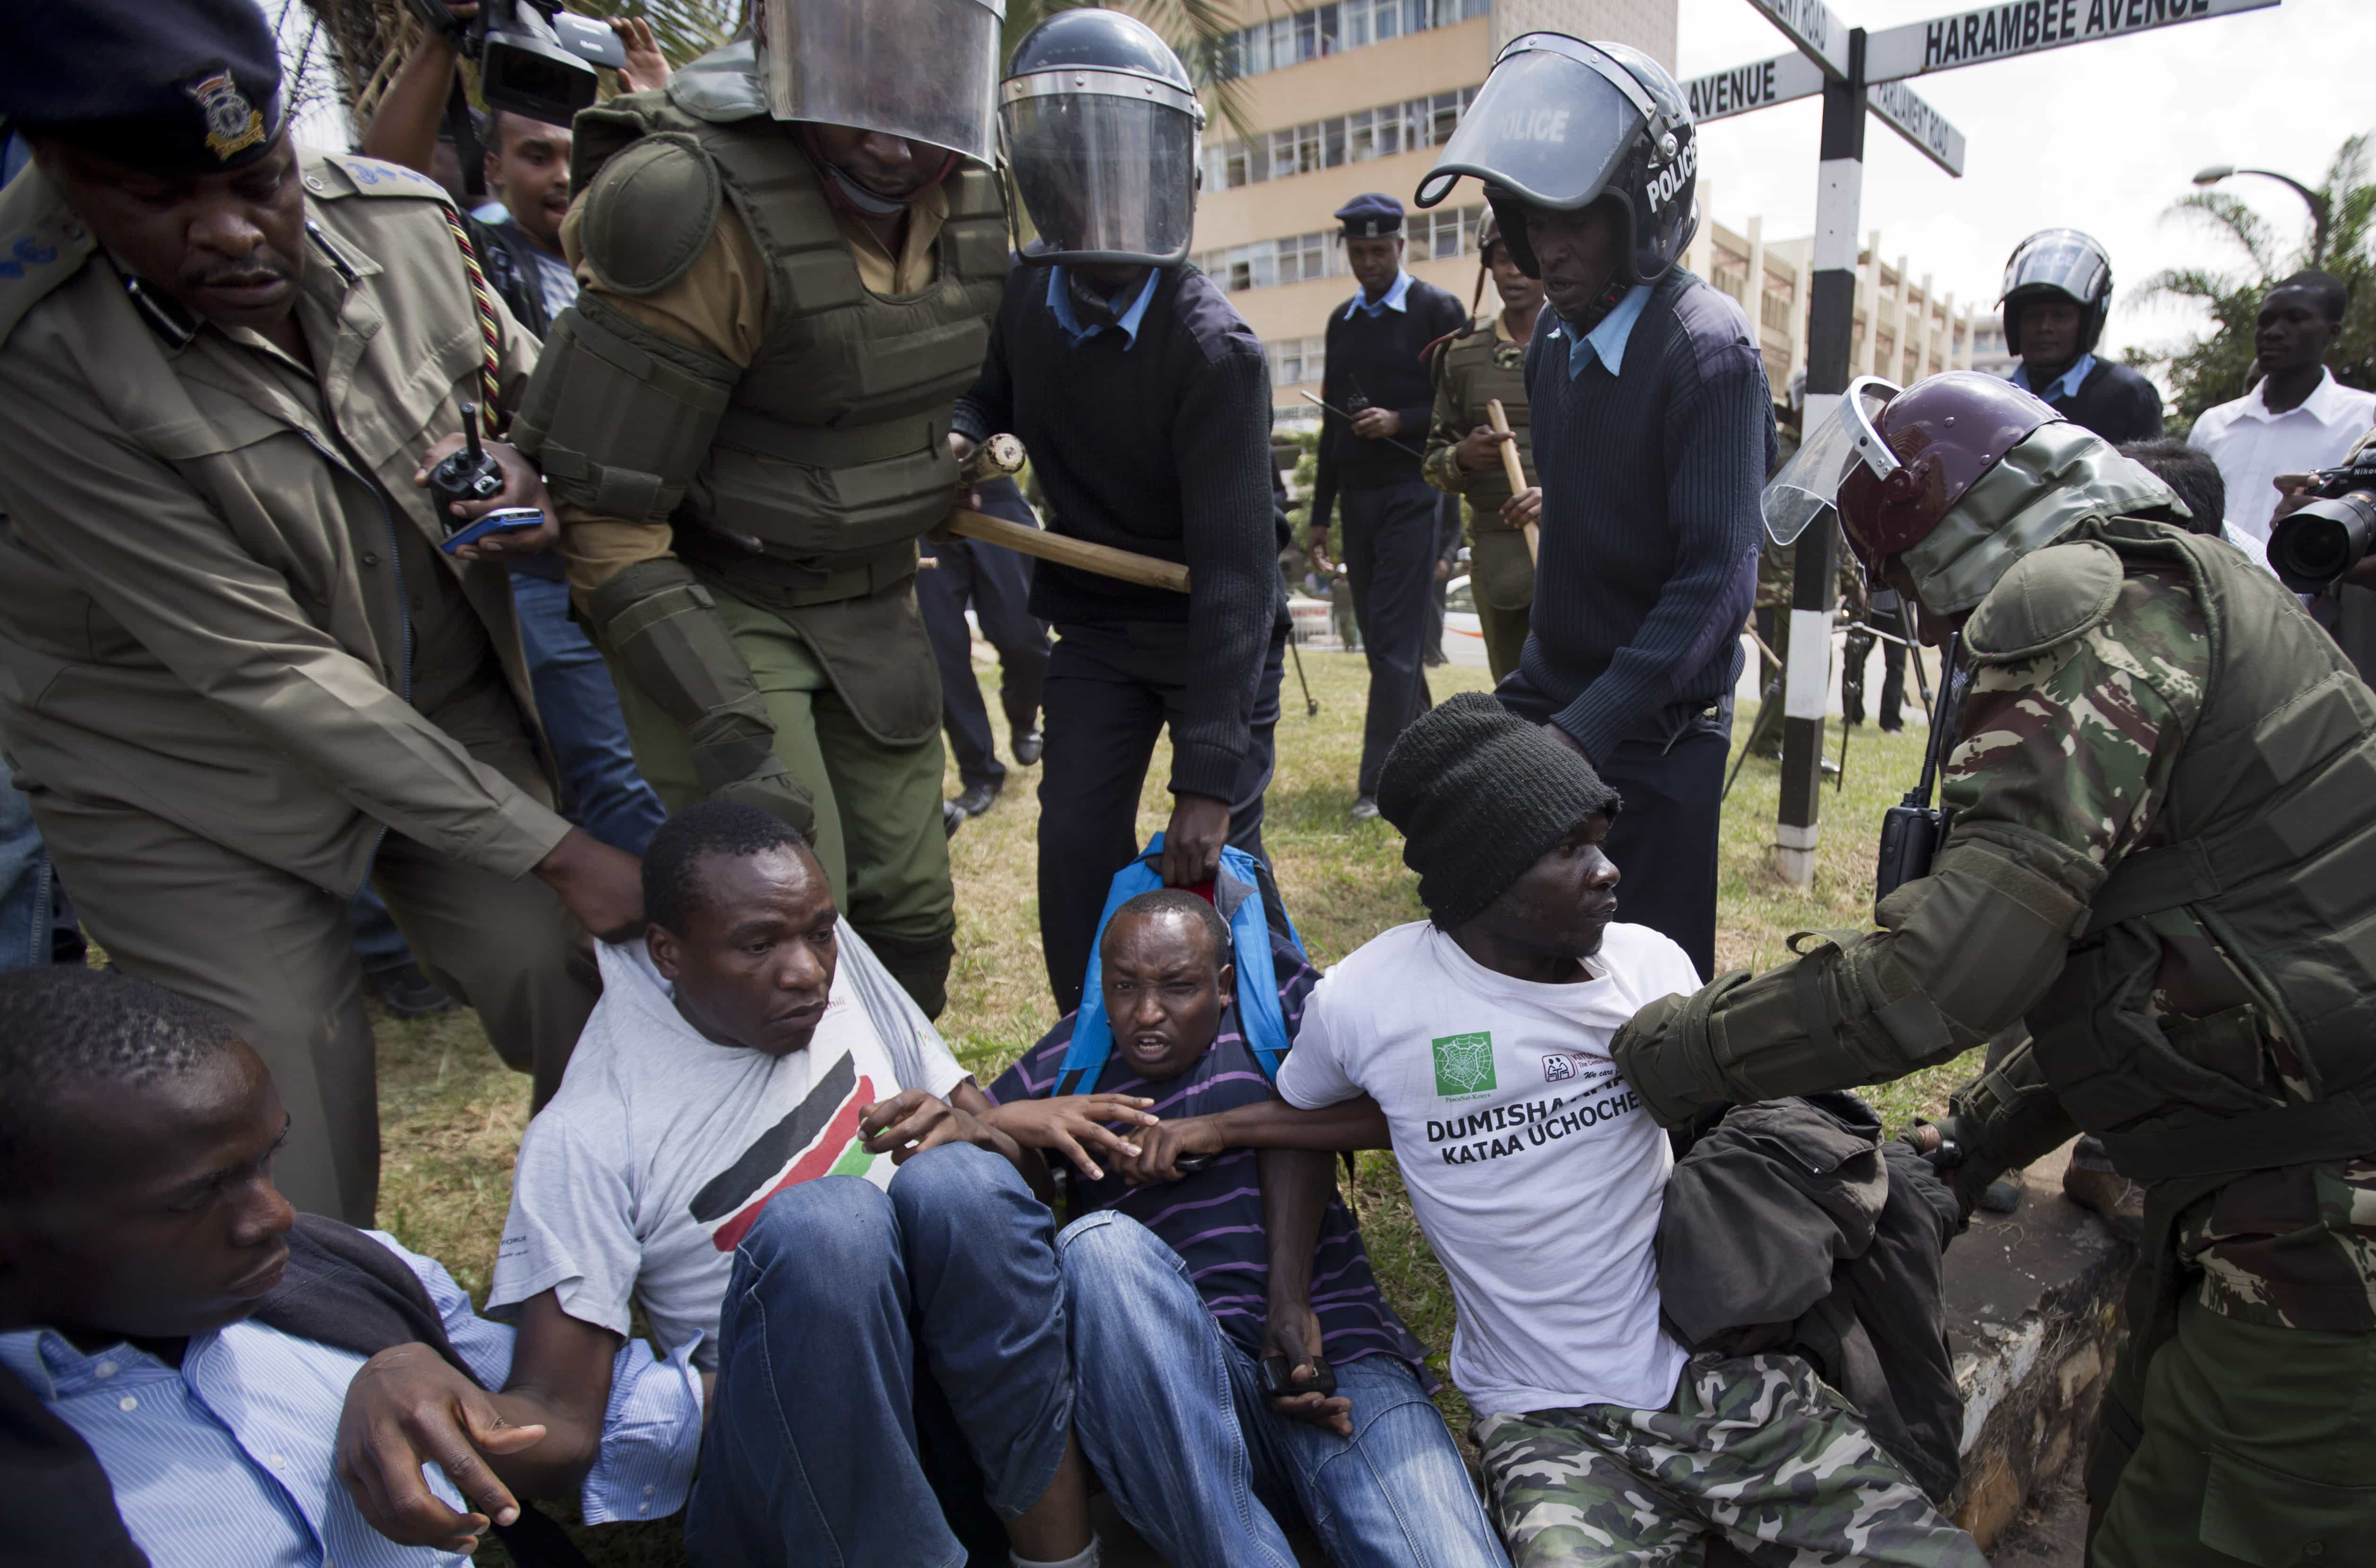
(533, 60)
(2326, 538)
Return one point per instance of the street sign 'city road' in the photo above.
(1811, 25)
(2021, 27)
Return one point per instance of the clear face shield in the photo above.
(1550, 126)
(1104, 164)
(1807, 490)
(923, 69)
(2063, 259)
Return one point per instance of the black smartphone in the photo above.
(1279, 1378)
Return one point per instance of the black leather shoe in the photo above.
(1028, 747)
(1365, 809)
(407, 993)
(952, 818)
(976, 799)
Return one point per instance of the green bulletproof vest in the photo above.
(1479, 367)
(831, 452)
(2272, 814)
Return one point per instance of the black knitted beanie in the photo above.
(1481, 794)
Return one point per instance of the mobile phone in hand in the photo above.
(1279, 1378)
(503, 519)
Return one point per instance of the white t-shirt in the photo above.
(1531, 1165)
(2252, 447)
(660, 1148)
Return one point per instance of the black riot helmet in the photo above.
(1101, 125)
(2057, 264)
(1564, 125)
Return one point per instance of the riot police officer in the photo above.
(2163, 857)
(792, 256)
(2057, 289)
(1145, 402)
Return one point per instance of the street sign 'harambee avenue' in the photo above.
(2021, 27)
(1720, 95)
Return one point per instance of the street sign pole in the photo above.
(1831, 327)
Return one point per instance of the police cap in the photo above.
(1370, 216)
(169, 86)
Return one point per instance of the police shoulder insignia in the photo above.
(233, 124)
(2048, 598)
(371, 177)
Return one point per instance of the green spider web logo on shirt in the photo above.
(1464, 1065)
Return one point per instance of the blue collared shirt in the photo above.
(1391, 300)
(1060, 305)
(231, 1457)
(2063, 385)
(1606, 341)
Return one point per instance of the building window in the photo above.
(1325, 144)
(1434, 234)
(1294, 360)
(1351, 24)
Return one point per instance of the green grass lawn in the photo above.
(452, 1116)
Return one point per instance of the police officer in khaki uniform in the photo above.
(789, 261)
(1486, 360)
(237, 673)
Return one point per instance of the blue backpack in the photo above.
(1240, 893)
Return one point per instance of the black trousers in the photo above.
(1111, 688)
(1893, 672)
(1391, 546)
(1670, 779)
(998, 584)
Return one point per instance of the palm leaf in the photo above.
(1202, 32)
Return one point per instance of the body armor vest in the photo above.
(831, 452)
(2271, 852)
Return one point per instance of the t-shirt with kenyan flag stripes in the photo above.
(656, 1156)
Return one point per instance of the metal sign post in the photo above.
(1857, 72)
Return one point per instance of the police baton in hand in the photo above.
(1001, 455)
(1511, 470)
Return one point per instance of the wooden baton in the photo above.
(1003, 454)
(1515, 471)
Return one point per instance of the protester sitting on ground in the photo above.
(1167, 1275)
(165, 1333)
(753, 1147)
(1482, 1036)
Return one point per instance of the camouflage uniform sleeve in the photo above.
(2066, 760)
(2078, 743)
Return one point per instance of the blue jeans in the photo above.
(888, 1364)
(1171, 1414)
(604, 793)
(25, 883)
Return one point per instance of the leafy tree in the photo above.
(2212, 368)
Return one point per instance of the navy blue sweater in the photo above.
(1650, 524)
(1160, 446)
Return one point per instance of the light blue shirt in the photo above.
(231, 1458)
(1391, 300)
(1606, 341)
(2063, 385)
(1060, 305)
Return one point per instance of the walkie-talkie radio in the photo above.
(1912, 830)
(468, 473)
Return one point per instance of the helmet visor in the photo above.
(1550, 126)
(1807, 490)
(923, 69)
(1103, 175)
(2061, 259)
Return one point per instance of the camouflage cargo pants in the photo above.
(1754, 1446)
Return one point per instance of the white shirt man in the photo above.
(2252, 447)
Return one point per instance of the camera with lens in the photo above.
(2325, 538)
(533, 60)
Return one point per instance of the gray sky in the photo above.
(2099, 137)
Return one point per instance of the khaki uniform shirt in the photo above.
(221, 599)
(1471, 372)
(720, 306)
